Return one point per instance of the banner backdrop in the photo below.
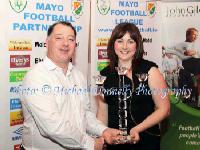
(4, 110)
(24, 25)
(106, 14)
(184, 122)
(22, 45)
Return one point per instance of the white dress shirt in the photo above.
(182, 47)
(56, 109)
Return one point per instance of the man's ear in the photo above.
(77, 44)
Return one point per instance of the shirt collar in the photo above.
(51, 66)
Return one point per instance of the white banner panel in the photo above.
(184, 130)
(4, 108)
(106, 14)
(177, 17)
(24, 25)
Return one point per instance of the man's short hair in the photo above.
(51, 27)
(189, 31)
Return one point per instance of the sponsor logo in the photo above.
(19, 61)
(147, 40)
(40, 44)
(15, 104)
(16, 118)
(37, 60)
(77, 8)
(105, 30)
(17, 134)
(20, 45)
(101, 65)
(18, 131)
(17, 147)
(102, 54)
(17, 76)
(103, 6)
(18, 5)
(102, 41)
(15, 89)
(151, 8)
(183, 11)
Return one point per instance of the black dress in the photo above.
(140, 105)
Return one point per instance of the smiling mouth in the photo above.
(64, 50)
(124, 52)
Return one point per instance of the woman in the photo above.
(147, 99)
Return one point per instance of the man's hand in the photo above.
(112, 136)
(99, 142)
(190, 52)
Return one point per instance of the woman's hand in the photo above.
(135, 137)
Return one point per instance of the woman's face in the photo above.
(125, 48)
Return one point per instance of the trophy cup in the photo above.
(142, 77)
(122, 104)
(99, 80)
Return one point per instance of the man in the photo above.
(190, 62)
(56, 113)
(189, 55)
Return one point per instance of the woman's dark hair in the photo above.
(50, 30)
(119, 31)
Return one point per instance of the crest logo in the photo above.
(77, 8)
(151, 8)
(18, 5)
(103, 6)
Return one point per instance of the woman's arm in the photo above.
(156, 83)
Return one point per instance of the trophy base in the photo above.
(126, 139)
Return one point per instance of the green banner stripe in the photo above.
(185, 108)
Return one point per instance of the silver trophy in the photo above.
(142, 77)
(99, 80)
(122, 104)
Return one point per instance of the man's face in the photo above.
(61, 44)
(193, 36)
